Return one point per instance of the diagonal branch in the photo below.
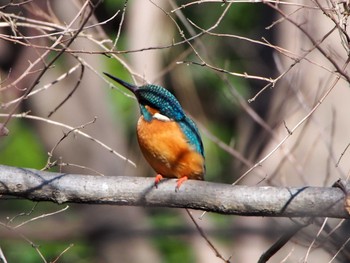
(138, 191)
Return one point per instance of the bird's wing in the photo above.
(191, 132)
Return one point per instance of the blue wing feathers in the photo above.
(191, 132)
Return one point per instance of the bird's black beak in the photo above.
(129, 86)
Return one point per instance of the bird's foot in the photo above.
(159, 178)
(179, 182)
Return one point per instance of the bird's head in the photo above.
(154, 100)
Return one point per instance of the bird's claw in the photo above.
(179, 183)
(158, 178)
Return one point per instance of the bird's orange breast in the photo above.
(166, 149)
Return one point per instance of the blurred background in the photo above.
(247, 72)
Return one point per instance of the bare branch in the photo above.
(138, 191)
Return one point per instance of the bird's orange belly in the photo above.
(166, 149)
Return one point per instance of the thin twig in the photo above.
(45, 87)
(50, 164)
(61, 254)
(2, 257)
(342, 154)
(314, 240)
(292, 231)
(40, 217)
(32, 117)
(70, 93)
(204, 236)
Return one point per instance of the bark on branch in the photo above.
(138, 191)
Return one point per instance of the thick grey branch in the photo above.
(138, 191)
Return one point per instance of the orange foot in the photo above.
(179, 182)
(159, 177)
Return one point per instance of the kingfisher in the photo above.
(169, 139)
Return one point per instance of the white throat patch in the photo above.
(160, 117)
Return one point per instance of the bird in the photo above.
(169, 140)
